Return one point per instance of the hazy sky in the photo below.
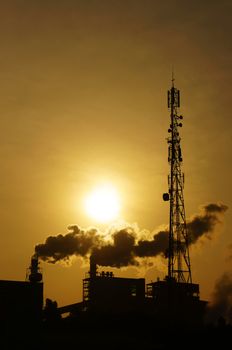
(83, 101)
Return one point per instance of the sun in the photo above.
(103, 204)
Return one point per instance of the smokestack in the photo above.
(35, 274)
(93, 267)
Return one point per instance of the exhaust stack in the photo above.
(93, 267)
(34, 274)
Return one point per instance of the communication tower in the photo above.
(179, 268)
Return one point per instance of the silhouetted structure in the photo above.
(104, 293)
(179, 267)
(177, 297)
(21, 302)
(176, 304)
(175, 301)
(34, 273)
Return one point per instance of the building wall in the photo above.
(117, 295)
(20, 302)
(176, 303)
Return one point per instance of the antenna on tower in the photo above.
(179, 268)
(173, 78)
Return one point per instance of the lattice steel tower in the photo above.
(179, 267)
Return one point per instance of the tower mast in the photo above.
(179, 268)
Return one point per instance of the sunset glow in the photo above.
(103, 204)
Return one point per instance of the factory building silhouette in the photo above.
(174, 300)
(21, 302)
(165, 301)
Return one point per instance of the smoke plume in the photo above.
(118, 253)
(203, 225)
(62, 247)
(123, 246)
(221, 305)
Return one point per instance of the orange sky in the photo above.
(83, 100)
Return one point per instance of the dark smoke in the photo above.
(124, 250)
(61, 247)
(126, 245)
(215, 208)
(118, 253)
(221, 305)
(158, 245)
(204, 223)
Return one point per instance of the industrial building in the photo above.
(174, 301)
(102, 292)
(21, 302)
(166, 302)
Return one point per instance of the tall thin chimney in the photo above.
(93, 267)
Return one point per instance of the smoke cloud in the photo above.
(203, 225)
(118, 253)
(221, 305)
(62, 247)
(123, 246)
(158, 245)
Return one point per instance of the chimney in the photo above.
(35, 274)
(93, 267)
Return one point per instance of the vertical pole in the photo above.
(179, 268)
